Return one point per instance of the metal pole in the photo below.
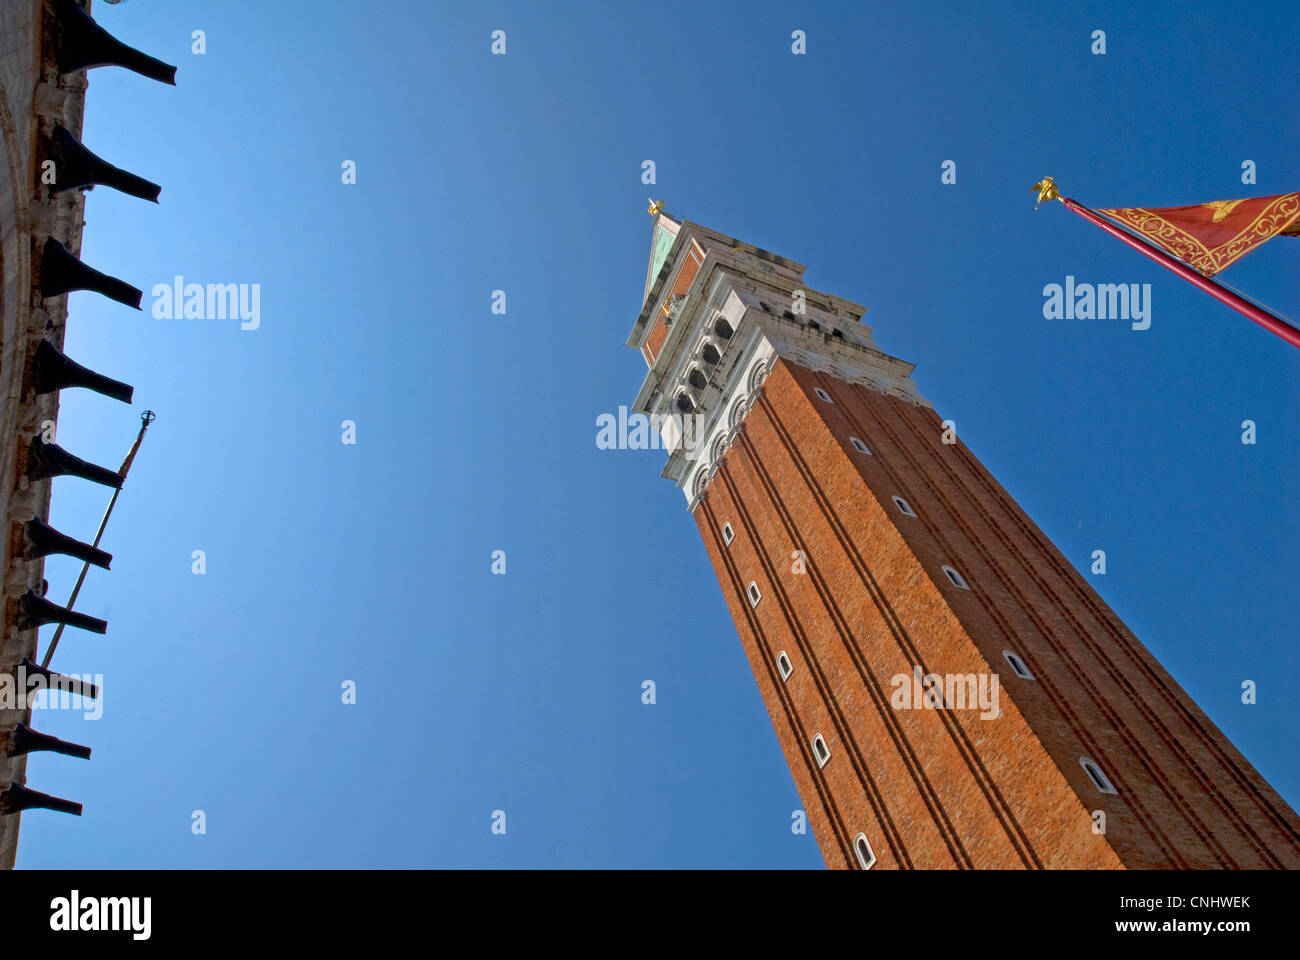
(146, 418)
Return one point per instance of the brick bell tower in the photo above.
(949, 692)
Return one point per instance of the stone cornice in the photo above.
(692, 471)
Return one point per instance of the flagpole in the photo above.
(146, 418)
(1275, 325)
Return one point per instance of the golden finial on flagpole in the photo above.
(1046, 188)
(656, 207)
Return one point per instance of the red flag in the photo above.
(1210, 237)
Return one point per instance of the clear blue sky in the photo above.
(328, 562)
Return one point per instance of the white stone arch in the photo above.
(737, 412)
(701, 480)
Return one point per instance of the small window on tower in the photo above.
(859, 446)
(754, 594)
(905, 507)
(728, 534)
(1017, 665)
(1099, 779)
(956, 578)
(784, 665)
(722, 328)
(866, 856)
(823, 394)
(820, 750)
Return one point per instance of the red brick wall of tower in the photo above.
(945, 788)
(659, 333)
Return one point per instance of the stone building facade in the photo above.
(46, 47)
(33, 98)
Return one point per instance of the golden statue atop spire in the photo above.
(656, 207)
(1046, 188)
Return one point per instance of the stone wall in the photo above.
(32, 100)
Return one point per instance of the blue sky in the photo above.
(370, 562)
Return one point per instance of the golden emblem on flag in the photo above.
(1221, 208)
